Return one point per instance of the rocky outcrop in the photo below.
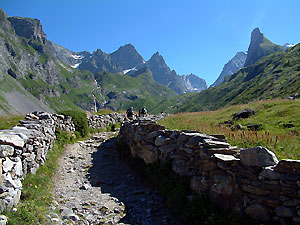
(127, 57)
(234, 65)
(246, 181)
(23, 149)
(28, 28)
(99, 61)
(260, 47)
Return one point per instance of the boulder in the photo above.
(258, 156)
(254, 127)
(245, 113)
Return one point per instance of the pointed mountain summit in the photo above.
(163, 74)
(99, 61)
(233, 65)
(127, 57)
(260, 47)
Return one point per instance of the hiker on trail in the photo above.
(143, 111)
(130, 113)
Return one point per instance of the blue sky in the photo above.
(193, 36)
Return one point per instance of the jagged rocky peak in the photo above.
(99, 61)
(233, 65)
(256, 37)
(4, 23)
(157, 57)
(127, 57)
(260, 47)
(28, 28)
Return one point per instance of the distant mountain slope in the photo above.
(27, 59)
(68, 57)
(274, 76)
(234, 65)
(16, 100)
(193, 83)
(260, 47)
(122, 91)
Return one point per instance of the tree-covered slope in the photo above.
(274, 76)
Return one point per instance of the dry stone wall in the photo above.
(23, 149)
(248, 182)
(103, 121)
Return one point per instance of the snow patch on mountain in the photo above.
(76, 65)
(129, 70)
(76, 56)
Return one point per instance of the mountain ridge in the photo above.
(273, 76)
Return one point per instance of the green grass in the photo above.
(103, 112)
(274, 115)
(6, 122)
(36, 193)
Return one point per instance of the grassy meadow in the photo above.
(6, 122)
(280, 130)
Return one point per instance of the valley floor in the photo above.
(94, 186)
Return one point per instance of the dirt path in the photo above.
(94, 186)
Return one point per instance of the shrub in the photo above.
(80, 121)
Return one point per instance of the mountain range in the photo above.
(273, 76)
(259, 47)
(37, 74)
(126, 60)
(50, 77)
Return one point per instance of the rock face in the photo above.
(66, 56)
(193, 83)
(260, 47)
(127, 57)
(99, 61)
(234, 65)
(162, 73)
(28, 28)
(249, 182)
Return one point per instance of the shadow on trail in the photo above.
(114, 176)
